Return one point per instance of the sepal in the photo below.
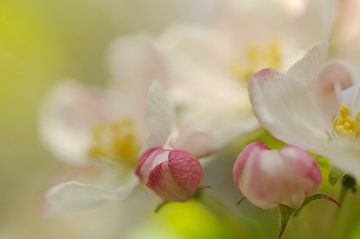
(334, 175)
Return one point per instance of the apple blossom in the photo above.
(268, 178)
(346, 32)
(303, 107)
(80, 123)
(210, 64)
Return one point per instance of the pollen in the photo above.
(256, 57)
(116, 141)
(345, 124)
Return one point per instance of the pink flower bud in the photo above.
(173, 175)
(271, 177)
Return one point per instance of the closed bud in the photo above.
(173, 175)
(268, 178)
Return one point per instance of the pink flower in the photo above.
(268, 177)
(173, 175)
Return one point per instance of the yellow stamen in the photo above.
(256, 58)
(116, 141)
(344, 124)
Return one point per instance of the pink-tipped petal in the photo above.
(334, 78)
(68, 115)
(159, 116)
(241, 160)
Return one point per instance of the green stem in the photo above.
(348, 183)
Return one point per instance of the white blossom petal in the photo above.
(196, 46)
(308, 68)
(333, 79)
(159, 116)
(135, 62)
(344, 152)
(295, 7)
(355, 106)
(203, 133)
(74, 195)
(287, 109)
(67, 116)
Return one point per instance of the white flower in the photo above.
(80, 123)
(303, 107)
(210, 65)
(71, 111)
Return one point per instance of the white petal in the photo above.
(159, 116)
(344, 153)
(356, 99)
(73, 195)
(295, 7)
(197, 45)
(287, 109)
(135, 62)
(196, 142)
(328, 86)
(203, 133)
(67, 116)
(308, 68)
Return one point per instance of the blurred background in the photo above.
(42, 42)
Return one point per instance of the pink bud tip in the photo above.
(271, 177)
(173, 175)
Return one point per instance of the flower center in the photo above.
(116, 141)
(257, 57)
(345, 124)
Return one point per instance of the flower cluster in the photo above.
(206, 87)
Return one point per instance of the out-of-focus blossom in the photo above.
(295, 7)
(172, 174)
(210, 65)
(346, 27)
(303, 107)
(258, 21)
(268, 178)
(346, 32)
(81, 123)
(77, 121)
